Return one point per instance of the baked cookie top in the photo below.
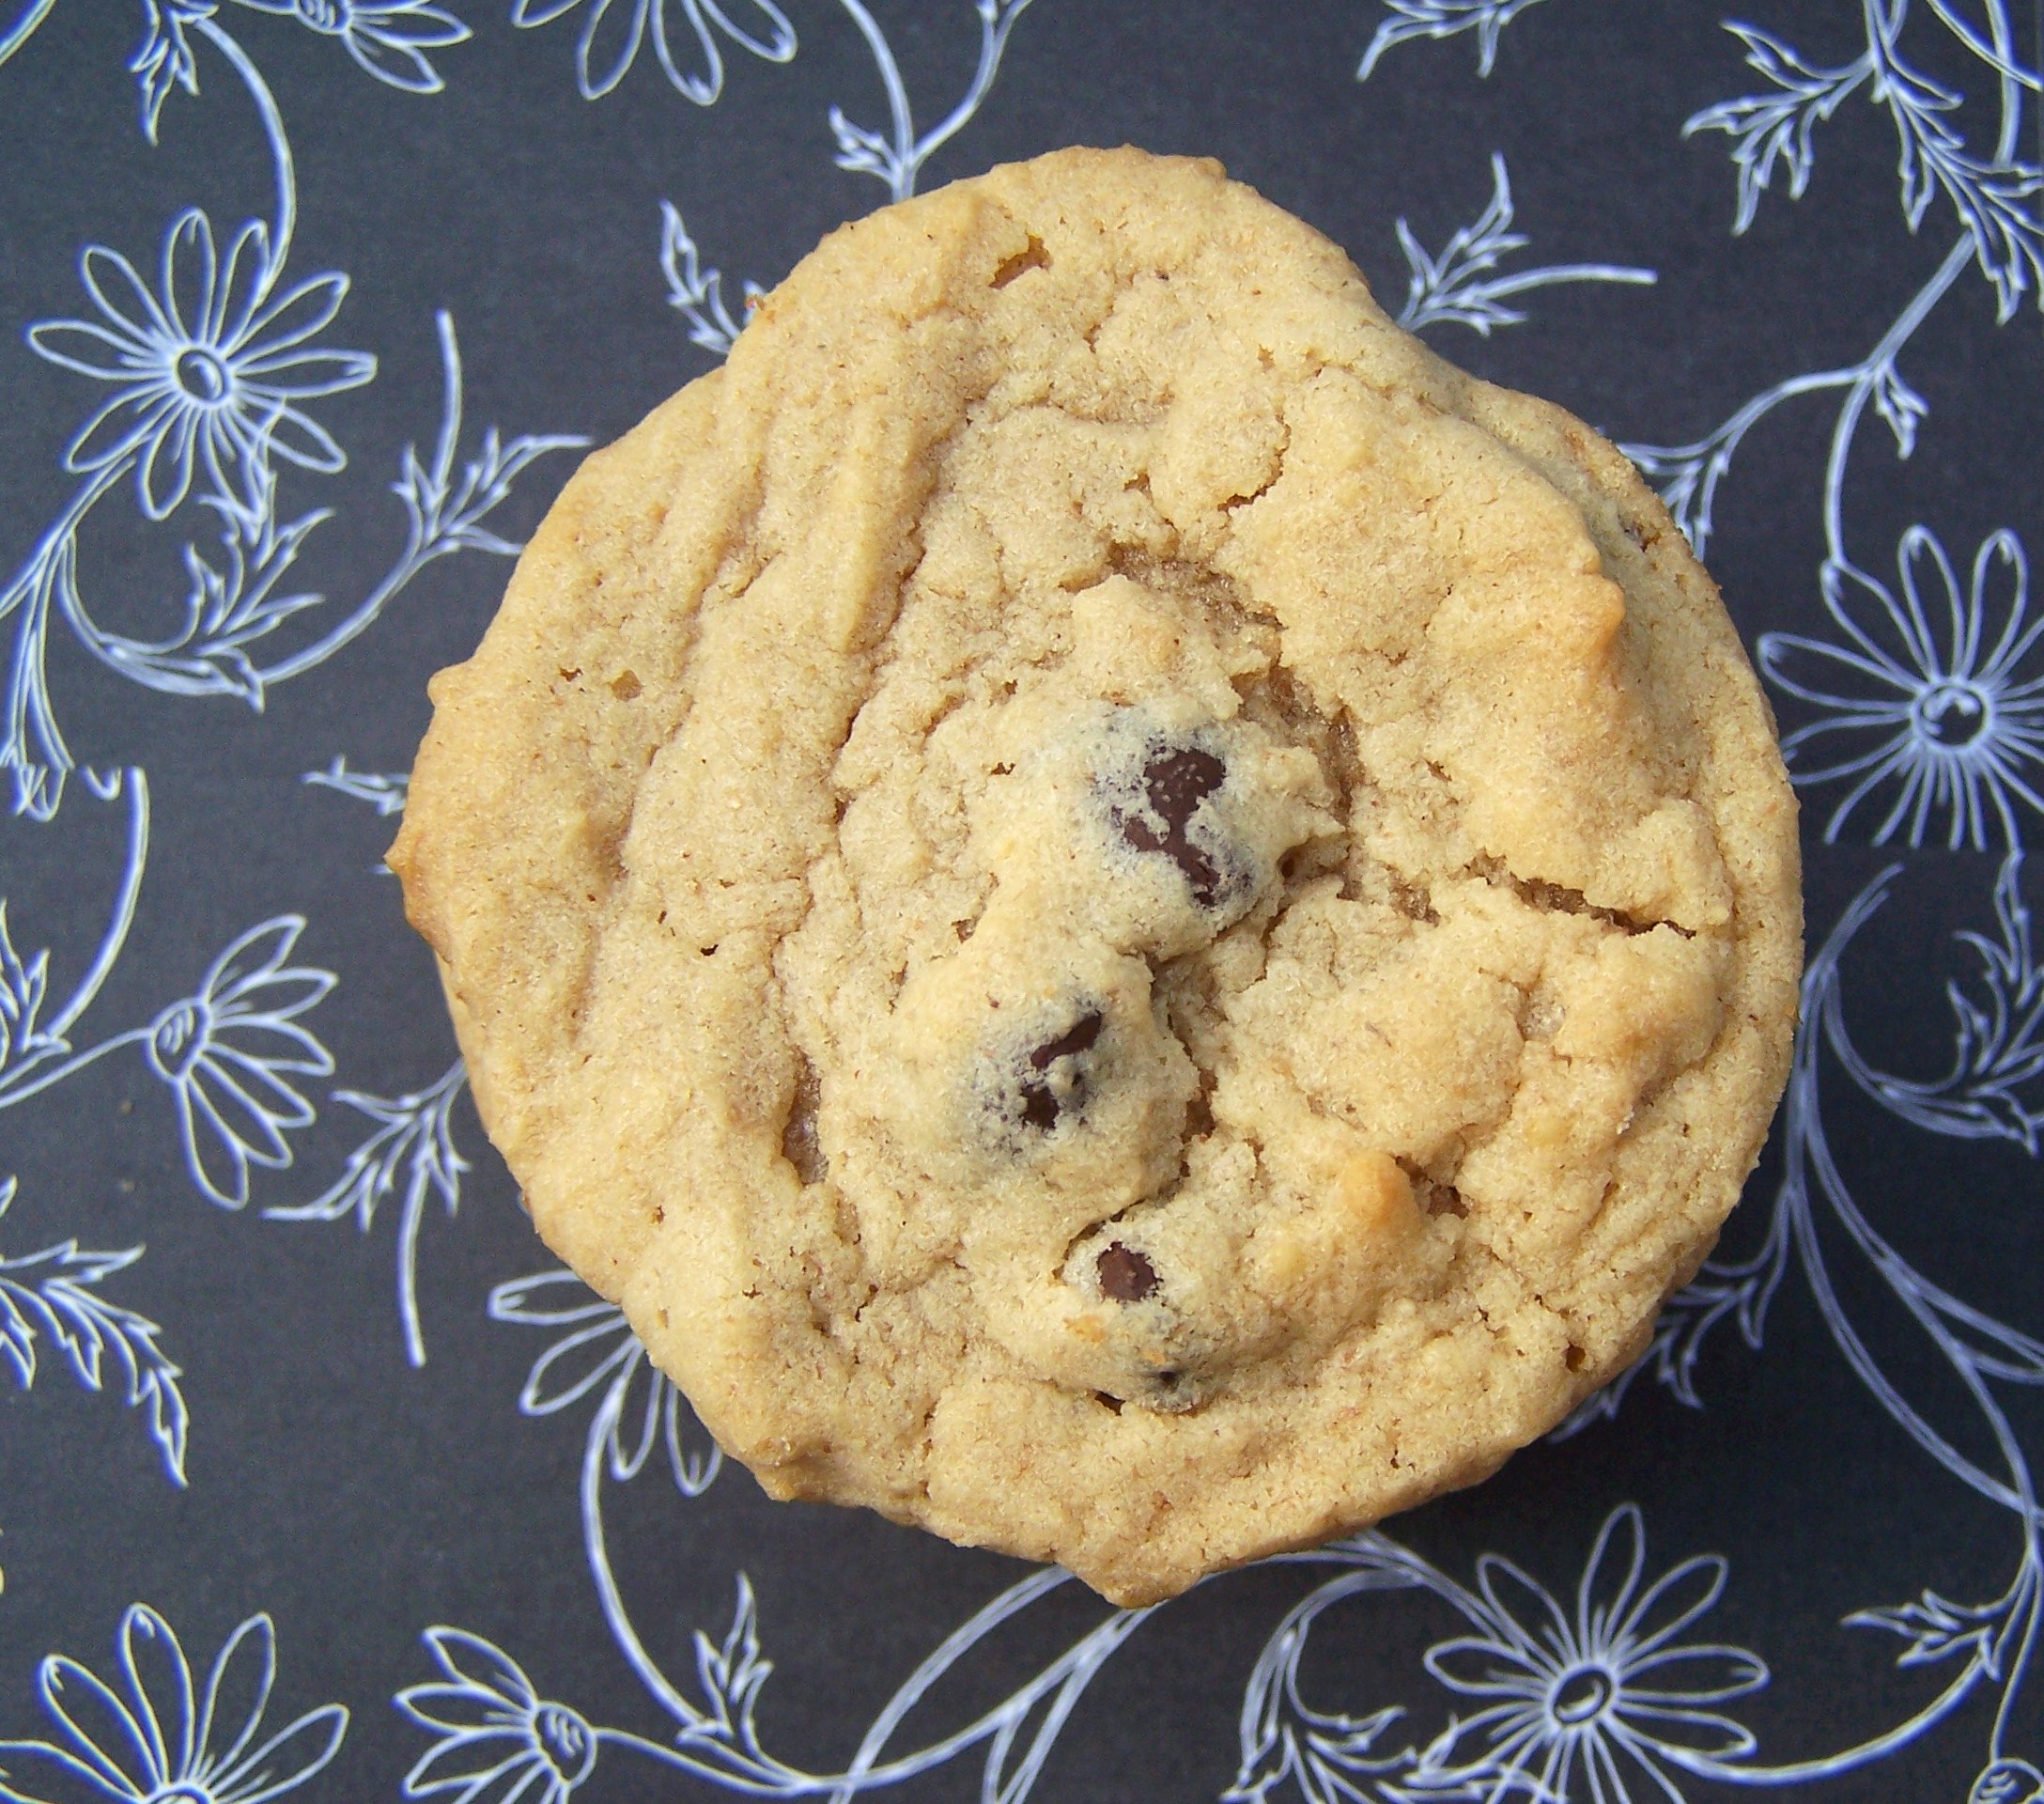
(1130, 919)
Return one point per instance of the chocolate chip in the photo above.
(1175, 782)
(1080, 1038)
(1127, 1275)
(1041, 1102)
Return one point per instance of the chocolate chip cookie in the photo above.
(1131, 920)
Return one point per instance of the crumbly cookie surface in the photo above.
(1131, 920)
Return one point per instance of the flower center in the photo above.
(176, 1042)
(1579, 1694)
(566, 1741)
(181, 1794)
(333, 17)
(1952, 713)
(202, 374)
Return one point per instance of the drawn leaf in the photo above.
(51, 1293)
(1776, 131)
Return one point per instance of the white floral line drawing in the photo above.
(897, 158)
(1689, 475)
(1955, 725)
(1995, 1086)
(1590, 1697)
(385, 791)
(598, 1350)
(414, 1141)
(233, 1056)
(1456, 287)
(230, 1053)
(52, 1295)
(1775, 130)
(25, 1040)
(1988, 1092)
(208, 371)
(1778, 128)
(412, 1146)
(24, 28)
(1608, 1696)
(490, 1725)
(155, 1738)
(637, 1409)
(1442, 19)
(1605, 1691)
(386, 38)
(614, 31)
(1929, 692)
(695, 292)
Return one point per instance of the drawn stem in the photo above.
(1863, 380)
(421, 546)
(64, 528)
(909, 153)
(279, 248)
(115, 936)
(901, 183)
(995, 25)
(614, 1614)
(1071, 1670)
(1999, 56)
(408, 1259)
(48, 1075)
(1552, 273)
(24, 28)
(450, 401)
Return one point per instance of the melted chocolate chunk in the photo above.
(1041, 1103)
(1127, 1275)
(1175, 782)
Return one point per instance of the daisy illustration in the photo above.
(1933, 705)
(613, 31)
(207, 369)
(499, 1739)
(385, 36)
(229, 1054)
(595, 1353)
(152, 1737)
(1578, 1705)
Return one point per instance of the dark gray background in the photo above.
(359, 1500)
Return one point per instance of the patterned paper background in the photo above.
(318, 1478)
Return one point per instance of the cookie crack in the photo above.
(1235, 502)
(1557, 898)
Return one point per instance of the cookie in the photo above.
(1131, 920)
